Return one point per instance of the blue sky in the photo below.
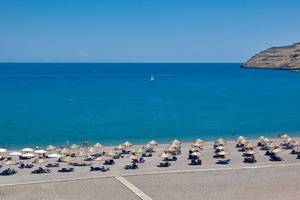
(144, 30)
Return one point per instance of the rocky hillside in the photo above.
(285, 57)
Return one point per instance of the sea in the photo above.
(66, 103)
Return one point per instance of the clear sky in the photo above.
(144, 30)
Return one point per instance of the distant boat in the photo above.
(152, 79)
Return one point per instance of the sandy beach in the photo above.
(262, 180)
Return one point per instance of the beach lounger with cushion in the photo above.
(218, 156)
(164, 164)
(64, 169)
(249, 160)
(141, 160)
(8, 172)
(52, 165)
(131, 166)
(25, 166)
(109, 162)
(223, 162)
(195, 162)
(40, 170)
(147, 154)
(275, 158)
(174, 158)
(81, 164)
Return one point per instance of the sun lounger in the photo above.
(109, 162)
(275, 158)
(89, 159)
(64, 169)
(8, 172)
(269, 153)
(52, 165)
(126, 152)
(40, 170)
(174, 158)
(218, 156)
(25, 166)
(250, 160)
(141, 160)
(95, 168)
(131, 166)
(192, 157)
(195, 162)
(104, 169)
(147, 154)
(80, 164)
(223, 162)
(164, 164)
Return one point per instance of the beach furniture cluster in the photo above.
(220, 151)
(98, 158)
(170, 153)
(195, 152)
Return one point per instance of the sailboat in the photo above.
(152, 79)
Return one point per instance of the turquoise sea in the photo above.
(110, 103)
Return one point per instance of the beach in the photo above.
(262, 180)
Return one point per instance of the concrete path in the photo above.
(133, 188)
(153, 173)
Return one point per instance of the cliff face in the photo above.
(285, 57)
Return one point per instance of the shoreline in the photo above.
(160, 141)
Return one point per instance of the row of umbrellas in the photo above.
(219, 146)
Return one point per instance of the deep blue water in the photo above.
(111, 103)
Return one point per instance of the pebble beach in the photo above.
(176, 179)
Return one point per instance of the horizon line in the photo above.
(145, 62)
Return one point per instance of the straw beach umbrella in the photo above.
(40, 151)
(153, 143)
(10, 162)
(112, 153)
(74, 147)
(196, 154)
(195, 149)
(40, 161)
(177, 142)
(54, 155)
(15, 153)
(27, 150)
(133, 157)
(222, 153)
(97, 145)
(284, 136)
(127, 144)
(165, 155)
(220, 148)
(198, 141)
(28, 155)
(277, 150)
(120, 147)
(250, 152)
(64, 151)
(100, 159)
(51, 148)
(2, 150)
(66, 159)
(138, 151)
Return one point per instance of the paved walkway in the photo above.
(133, 188)
(151, 173)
